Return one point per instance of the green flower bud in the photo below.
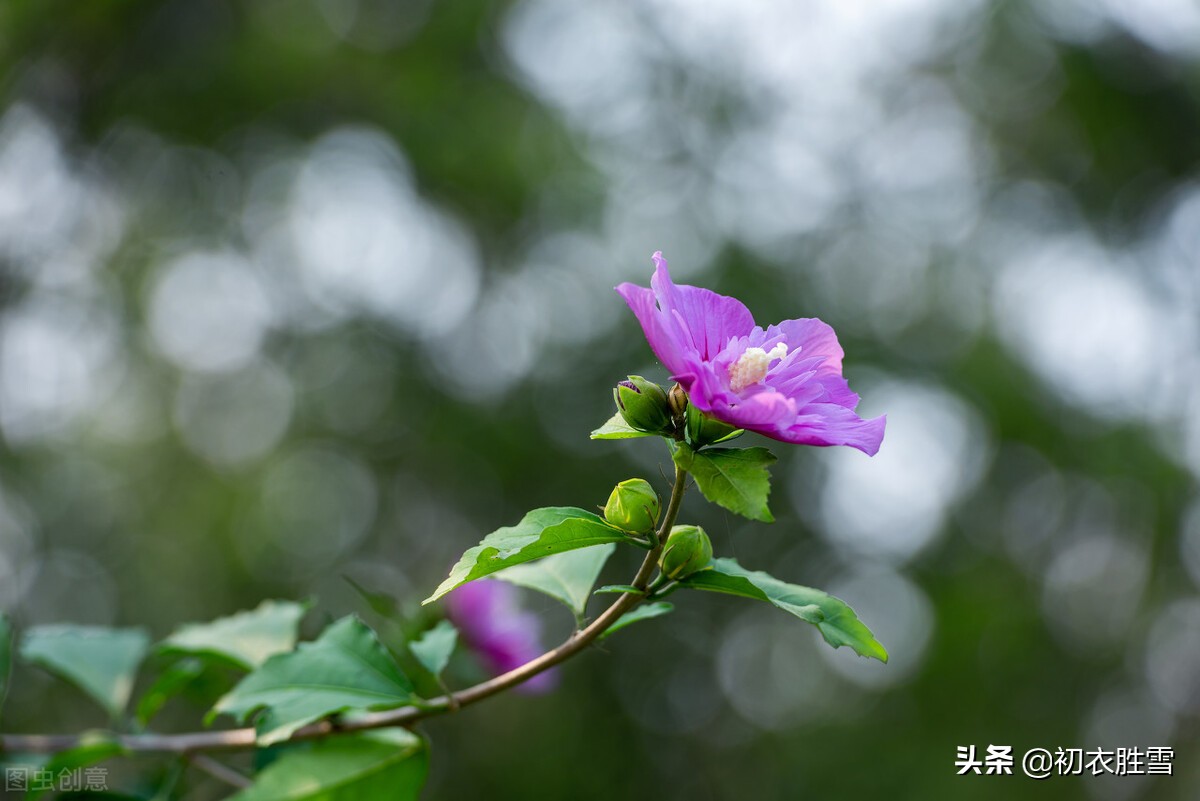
(688, 551)
(643, 404)
(704, 430)
(633, 506)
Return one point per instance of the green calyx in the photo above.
(643, 404)
(688, 550)
(705, 430)
(633, 506)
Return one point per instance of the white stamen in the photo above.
(751, 367)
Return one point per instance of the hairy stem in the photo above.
(232, 739)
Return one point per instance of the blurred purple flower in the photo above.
(784, 382)
(491, 622)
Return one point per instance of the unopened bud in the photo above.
(688, 551)
(677, 401)
(633, 506)
(704, 430)
(642, 403)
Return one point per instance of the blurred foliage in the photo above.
(993, 202)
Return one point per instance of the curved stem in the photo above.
(231, 739)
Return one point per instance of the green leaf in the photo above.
(567, 577)
(837, 621)
(644, 612)
(617, 428)
(100, 661)
(381, 765)
(735, 478)
(619, 589)
(5, 656)
(434, 647)
(346, 668)
(542, 532)
(246, 639)
(94, 747)
(381, 603)
(170, 682)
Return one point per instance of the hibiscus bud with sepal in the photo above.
(633, 506)
(643, 404)
(677, 402)
(688, 551)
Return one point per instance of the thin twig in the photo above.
(190, 743)
(219, 770)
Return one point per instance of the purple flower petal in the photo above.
(814, 337)
(836, 425)
(706, 320)
(685, 325)
(662, 340)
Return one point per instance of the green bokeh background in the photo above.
(297, 291)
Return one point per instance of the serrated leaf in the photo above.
(246, 639)
(644, 612)
(567, 577)
(619, 589)
(173, 679)
(100, 661)
(346, 668)
(94, 747)
(837, 622)
(542, 532)
(434, 647)
(617, 428)
(735, 478)
(5, 657)
(381, 765)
